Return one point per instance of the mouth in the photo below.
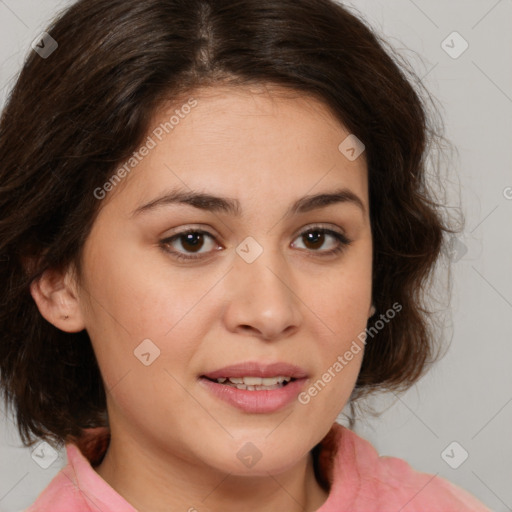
(255, 387)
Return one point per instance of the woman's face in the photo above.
(258, 284)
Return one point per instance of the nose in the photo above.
(263, 298)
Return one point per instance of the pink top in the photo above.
(360, 481)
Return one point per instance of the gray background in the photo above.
(467, 397)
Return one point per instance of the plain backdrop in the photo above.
(463, 407)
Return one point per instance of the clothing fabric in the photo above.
(359, 479)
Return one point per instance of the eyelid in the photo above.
(319, 225)
(193, 228)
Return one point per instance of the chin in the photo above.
(246, 458)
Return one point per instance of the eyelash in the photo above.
(344, 242)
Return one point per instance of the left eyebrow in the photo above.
(231, 206)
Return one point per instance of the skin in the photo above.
(174, 445)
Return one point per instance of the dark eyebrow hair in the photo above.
(212, 203)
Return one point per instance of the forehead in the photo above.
(244, 142)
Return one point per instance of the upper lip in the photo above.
(256, 369)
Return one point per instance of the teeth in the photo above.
(255, 383)
(250, 381)
(270, 381)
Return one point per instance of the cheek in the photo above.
(344, 300)
(142, 313)
(133, 293)
(342, 304)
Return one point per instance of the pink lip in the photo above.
(263, 401)
(255, 369)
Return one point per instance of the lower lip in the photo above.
(262, 401)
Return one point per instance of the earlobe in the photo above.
(372, 311)
(58, 301)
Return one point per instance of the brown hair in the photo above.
(73, 117)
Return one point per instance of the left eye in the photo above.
(317, 237)
(193, 240)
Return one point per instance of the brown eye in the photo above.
(192, 241)
(188, 242)
(315, 238)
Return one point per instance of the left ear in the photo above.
(372, 311)
(56, 296)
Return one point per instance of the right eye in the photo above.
(190, 240)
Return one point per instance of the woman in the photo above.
(218, 233)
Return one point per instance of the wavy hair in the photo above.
(73, 117)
